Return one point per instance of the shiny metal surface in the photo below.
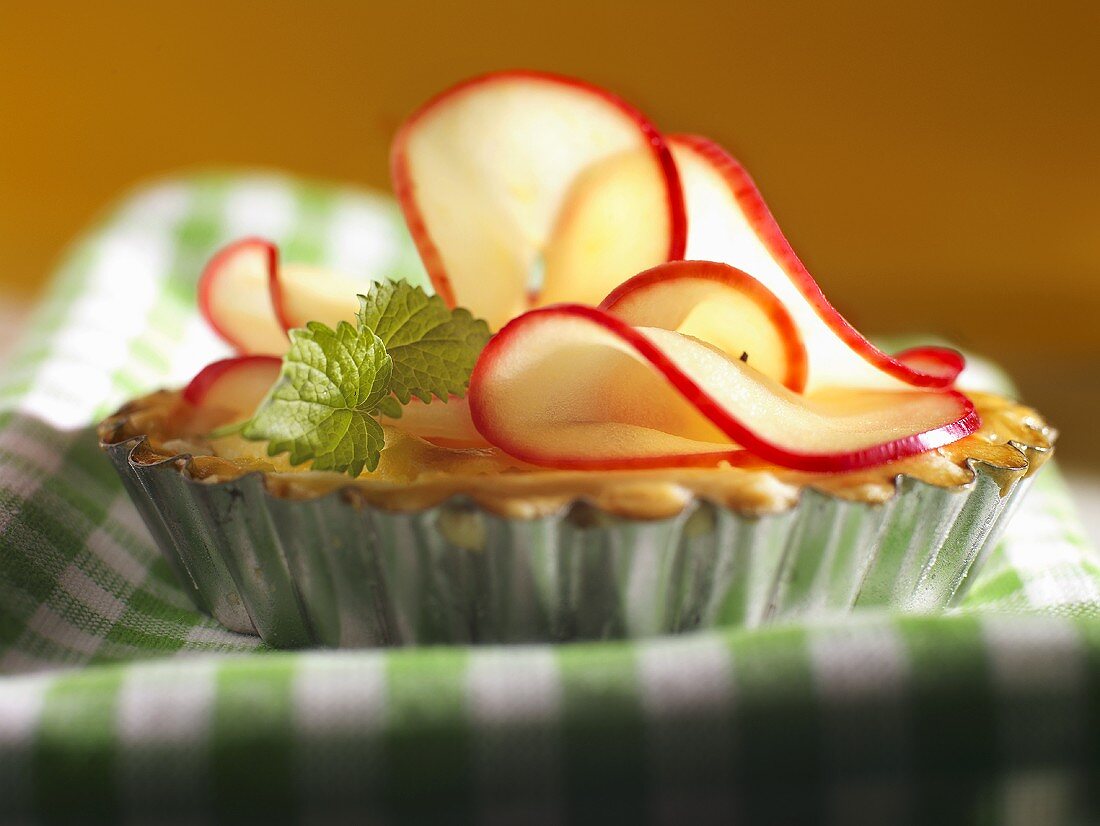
(331, 572)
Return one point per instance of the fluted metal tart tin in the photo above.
(335, 571)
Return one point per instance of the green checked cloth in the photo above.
(120, 702)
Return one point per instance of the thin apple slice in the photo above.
(573, 387)
(252, 300)
(520, 183)
(718, 304)
(447, 424)
(730, 222)
(230, 390)
(301, 293)
(603, 234)
(235, 292)
(933, 360)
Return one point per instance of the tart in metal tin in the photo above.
(340, 569)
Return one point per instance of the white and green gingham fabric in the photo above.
(120, 702)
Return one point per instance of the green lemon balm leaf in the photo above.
(335, 383)
(321, 407)
(390, 407)
(433, 347)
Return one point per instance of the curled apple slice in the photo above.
(251, 300)
(574, 387)
(517, 184)
(235, 292)
(720, 305)
(730, 222)
(447, 424)
(231, 389)
(932, 360)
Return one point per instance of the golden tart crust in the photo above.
(1012, 443)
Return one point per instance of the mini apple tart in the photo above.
(628, 409)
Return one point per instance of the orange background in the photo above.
(936, 167)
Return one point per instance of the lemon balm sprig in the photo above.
(335, 383)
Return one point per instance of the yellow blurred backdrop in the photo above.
(936, 166)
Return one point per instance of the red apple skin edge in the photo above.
(946, 359)
(199, 387)
(742, 282)
(216, 266)
(405, 191)
(275, 291)
(967, 423)
(747, 194)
